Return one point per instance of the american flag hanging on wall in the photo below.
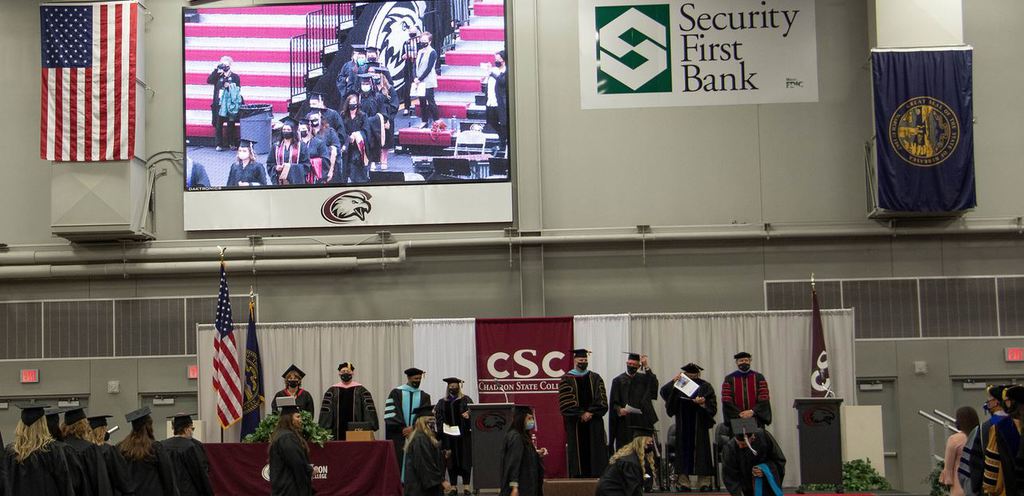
(226, 380)
(87, 105)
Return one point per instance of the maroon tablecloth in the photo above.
(339, 469)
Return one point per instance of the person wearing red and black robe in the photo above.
(745, 393)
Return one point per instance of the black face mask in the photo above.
(422, 45)
(303, 133)
(498, 63)
(744, 367)
(288, 134)
(345, 377)
(415, 384)
(292, 384)
(353, 106)
(314, 123)
(106, 436)
(649, 448)
(632, 370)
(582, 365)
(453, 391)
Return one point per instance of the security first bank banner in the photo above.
(649, 53)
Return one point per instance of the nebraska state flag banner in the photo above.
(924, 129)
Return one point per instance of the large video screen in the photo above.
(346, 93)
(335, 95)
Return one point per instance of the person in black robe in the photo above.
(94, 468)
(195, 175)
(246, 171)
(348, 77)
(522, 464)
(745, 393)
(324, 146)
(79, 479)
(288, 160)
(290, 471)
(331, 116)
(994, 406)
(385, 86)
(345, 402)
(354, 163)
(582, 402)
(637, 388)
(192, 474)
(31, 464)
(424, 462)
(695, 416)
(453, 411)
(400, 411)
(117, 467)
(746, 458)
(375, 106)
(627, 468)
(149, 464)
(293, 388)
(1002, 474)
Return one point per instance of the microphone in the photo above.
(501, 389)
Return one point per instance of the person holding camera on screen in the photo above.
(221, 77)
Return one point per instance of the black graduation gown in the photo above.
(625, 477)
(693, 423)
(290, 472)
(424, 468)
(155, 475)
(738, 464)
(978, 454)
(638, 391)
(733, 398)
(117, 470)
(199, 178)
(349, 166)
(297, 172)
(1008, 442)
(44, 473)
(79, 478)
(375, 106)
(520, 463)
(449, 411)
(94, 468)
(399, 400)
(254, 173)
(332, 117)
(342, 405)
(588, 445)
(303, 400)
(191, 474)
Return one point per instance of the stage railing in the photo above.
(932, 422)
(306, 50)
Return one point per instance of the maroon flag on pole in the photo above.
(821, 385)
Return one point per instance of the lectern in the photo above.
(821, 441)
(490, 422)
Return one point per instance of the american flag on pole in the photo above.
(226, 381)
(87, 104)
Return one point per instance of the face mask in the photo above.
(345, 377)
(303, 133)
(423, 44)
(106, 436)
(361, 60)
(415, 384)
(744, 367)
(453, 391)
(353, 106)
(984, 407)
(366, 88)
(314, 123)
(432, 425)
(292, 384)
(243, 156)
(531, 425)
(632, 370)
(371, 59)
(288, 134)
(649, 448)
(582, 365)
(498, 63)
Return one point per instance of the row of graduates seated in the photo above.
(324, 146)
(73, 458)
(987, 457)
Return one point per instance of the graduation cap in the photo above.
(137, 417)
(453, 380)
(743, 427)
(98, 421)
(424, 411)
(645, 431)
(580, 353)
(371, 49)
(53, 412)
(349, 365)
(290, 122)
(246, 143)
(632, 356)
(996, 392)
(293, 368)
(413, 371)
(31, 412)
(180, 420)
(740, 355)
(692, 368)
(358, 48)
(287, 405)
(304, 121)
(316, 96)
(74, 416)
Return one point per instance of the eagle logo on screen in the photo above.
(924, 131)
(347, 206)
(389, 30)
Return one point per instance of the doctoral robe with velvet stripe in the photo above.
(743, 391)
(587, 443)
(398, 415)
(738, 464)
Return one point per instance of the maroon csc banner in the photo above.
(521, 361)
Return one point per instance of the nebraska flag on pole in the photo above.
(821, 385)
(87, 106)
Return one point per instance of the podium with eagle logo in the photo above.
(820, 433)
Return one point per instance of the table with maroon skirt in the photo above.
(358, 468)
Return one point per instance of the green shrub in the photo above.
(310, 430)
(858, 475)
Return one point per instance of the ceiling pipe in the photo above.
(135, 269)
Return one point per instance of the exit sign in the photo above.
(193, 371)
(29, 376)
(1015, 354)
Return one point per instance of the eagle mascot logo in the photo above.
(347, 206)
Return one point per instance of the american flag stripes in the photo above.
(226, 381)
(87, 106)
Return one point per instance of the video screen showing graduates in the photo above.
(334, 94)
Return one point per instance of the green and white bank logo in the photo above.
(633, 49)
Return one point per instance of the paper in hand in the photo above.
(687, 386)
(452, 430)
(632, 409)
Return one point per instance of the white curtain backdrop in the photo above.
(380, 350)
(607, 336)
(446, 348)
(780, 343)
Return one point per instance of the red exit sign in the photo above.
(1015, 354)
(29, 376)
(193, 371)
